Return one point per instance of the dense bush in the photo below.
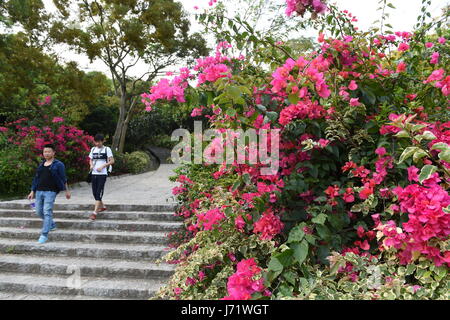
(135, 162)
(138, 162)
(22, 146)
(363, 169)
(17, 172)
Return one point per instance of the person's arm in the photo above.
(32, 194)
(91, 163)
(62, 169)
(110, 159)
(68, 195)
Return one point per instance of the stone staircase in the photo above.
(110, 258)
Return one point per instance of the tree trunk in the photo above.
(120, 123)
(133, 101)
(122, 137)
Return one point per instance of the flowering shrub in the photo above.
(23, 151)
(363, 170)
(242, 285)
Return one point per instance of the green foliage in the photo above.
(135, 162)
(212, 256)
(28, 74)
(16, 172)
(138, 162)
(377, 280)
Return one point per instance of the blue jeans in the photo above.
(44, 209)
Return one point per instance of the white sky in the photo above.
(402, 18)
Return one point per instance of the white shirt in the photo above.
(99, 157)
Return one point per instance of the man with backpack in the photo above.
(101, 161)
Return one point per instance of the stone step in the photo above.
(85, 267)
(98, 287)
(89, 236)
(106, 215)
(34, 296)
(99, 224)
(88, 250)
(24, 204)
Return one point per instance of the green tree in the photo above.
(122, 34)
(27, 74)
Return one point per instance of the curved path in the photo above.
(148, 188)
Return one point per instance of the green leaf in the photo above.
(231, 112)
(285, 257)
(310, 238)
(236, 185)
(246, 178)
(290, 277)
(286, 290)
(419, 155)
(427, 135)
(275, 266)
(272, 115)
(444, 155)
(320, 219)
(323, 231)
(426, 172)
(293, 98)
(417, 127)
(408, 152)
(314, 171)
(410, 269)
(300, 251)
(296, 234)
(234, 92)
(261, 107)
(440, 146)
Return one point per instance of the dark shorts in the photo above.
(98, 186)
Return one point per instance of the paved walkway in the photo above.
(149, 188)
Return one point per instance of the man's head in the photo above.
(99, 139)
(49, 151)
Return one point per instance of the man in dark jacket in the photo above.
(49, 180)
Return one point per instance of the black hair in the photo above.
(99, 137)
(49, 145)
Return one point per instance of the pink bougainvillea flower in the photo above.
(57, 119)
(354, 102)
(436, 75)
(324, 142)
(348, 195)
(269, 225)
(434, 58)
(177, 291)
(360, 231)
(239, 223)
(353, 86)
(196, 112)
(243, 283)
(401, 67)
(403, 47)
(380, 151)
(412, 174)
